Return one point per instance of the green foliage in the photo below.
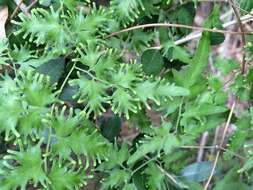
(29, 165)
(214, 21)
(161, 140)
(3, 52)
(65, 178)
(190, 75)
(246, 5)
(80, 107)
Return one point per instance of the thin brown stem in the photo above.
(233, 153)
(16, 9)
(221, 144)
(168, 25)
(197, 147)
(195, 35)
(31, 5)
(215, 147)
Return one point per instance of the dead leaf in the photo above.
(3, 19)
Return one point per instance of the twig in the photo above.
(167, 25)
(31, 5)
(92, 76)
(171, 177)
(195, 35)
(22, 6)
(221, 144)
(16, 9)
(215, 147)
(144, 164)
(237, 14)
(197, 147)
(233, 153)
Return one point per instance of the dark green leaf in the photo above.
(54, 69)
(152, 62)
(68, 92)
(110, 127)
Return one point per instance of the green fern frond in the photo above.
(92, 93)
(36, 88)
(161, 139)
(127, 11)
(45, 28)
(123, 102)
(9, 120)
(62, 177)
(158, 91)
(87, 29)
(74, 135)
(127, 75)
(29, 164)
